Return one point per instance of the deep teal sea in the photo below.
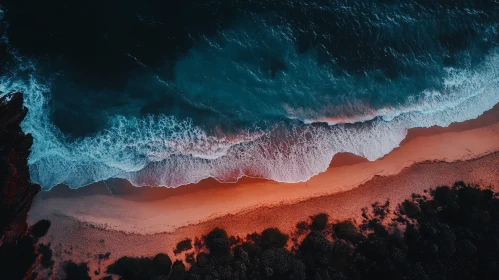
(168, 93)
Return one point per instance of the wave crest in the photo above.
(164, 151)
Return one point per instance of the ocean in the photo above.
(166, 93)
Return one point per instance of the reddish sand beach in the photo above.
(110, 217)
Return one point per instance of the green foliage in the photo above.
(40, 228)
(454, 234)
(76, 271)
(273, 238)
(348, 231)
(319, 222)
(183, 245)
(142, 268)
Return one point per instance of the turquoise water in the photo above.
(172, 93)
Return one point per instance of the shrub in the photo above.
(183, 245)
(348, 231)
(218, 242)
(273, 238)
(162, 264)
(76, 271)
(319, 222)
(40, 228)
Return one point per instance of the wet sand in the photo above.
(154, 210)
(125, 220)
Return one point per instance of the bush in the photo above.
(454, 234)
(444, 196)
(178, 271)
(348, 231)
(218, 242)
(273, 238)
(319, 222)
(411, 209)
(141, 268)
(46, 252)
(76, 271)
(40, 228)
(162, 264)
(315, 252)
(183, 245)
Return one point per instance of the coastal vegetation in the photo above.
(450, 232)
(447, 233)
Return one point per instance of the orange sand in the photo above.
(150, 216)
(145, 221)
(83, 242)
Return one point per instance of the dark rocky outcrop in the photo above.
(19, 251)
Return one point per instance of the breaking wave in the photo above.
(164, 151)
(253, 104)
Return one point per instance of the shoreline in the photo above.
(157, 210)
(83, 242)
(134, 222)
(125, 188)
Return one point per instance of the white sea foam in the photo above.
(166, 151)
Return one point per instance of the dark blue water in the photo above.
(168, 93)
